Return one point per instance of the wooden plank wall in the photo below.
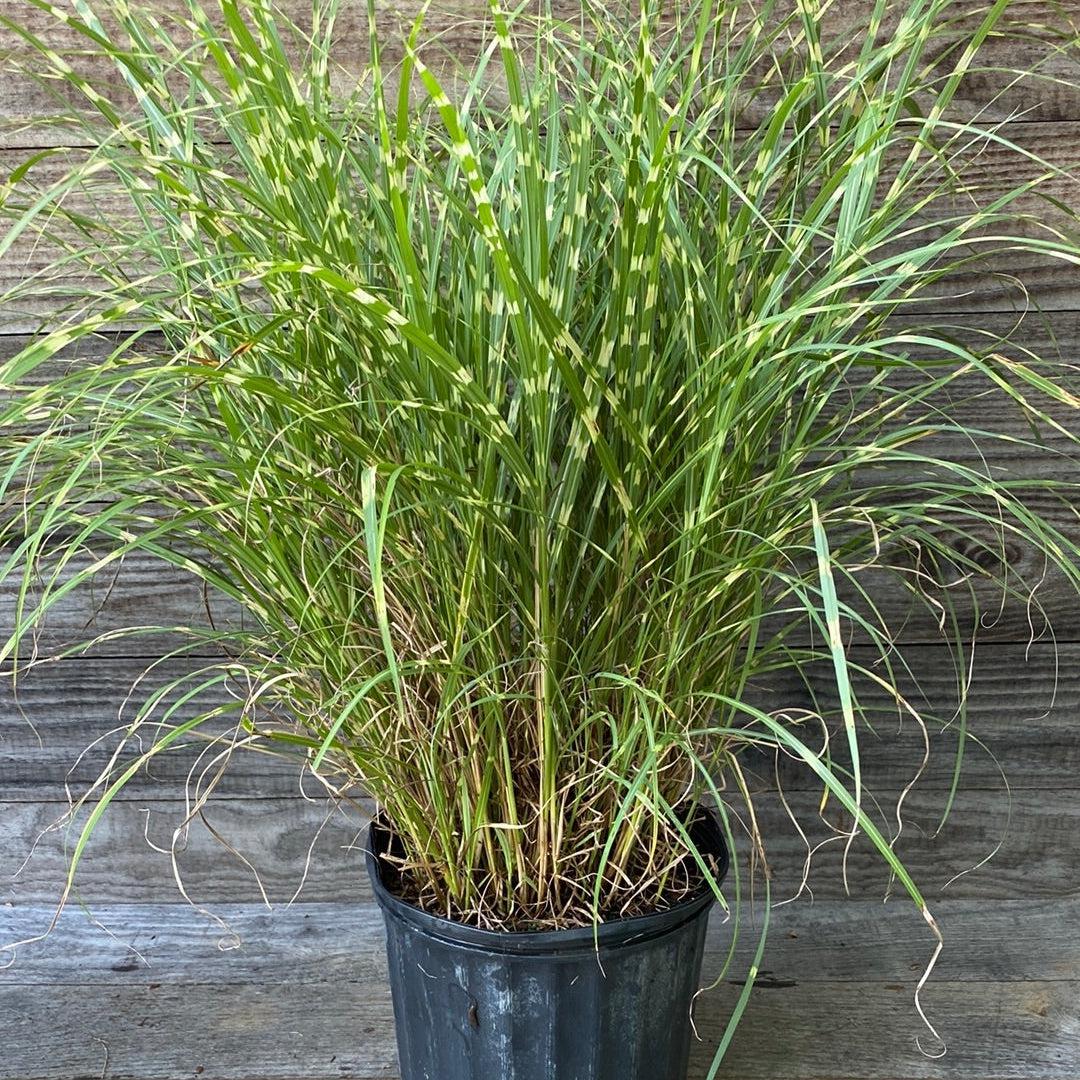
(153, 988)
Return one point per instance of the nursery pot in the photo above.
(473, 1004)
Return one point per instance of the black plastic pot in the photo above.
(473, 1004)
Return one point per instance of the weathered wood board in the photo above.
(1037, 35)
(312, 944)
(145, 967)
(62, 723)
(992, 285)
(289, 843)
(290, 1030)
(131, 607)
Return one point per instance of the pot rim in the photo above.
(616, 933)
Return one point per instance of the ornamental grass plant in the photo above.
(532, 416)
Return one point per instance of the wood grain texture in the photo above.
(989, 286)
(261, 990)
(124, 604)
(1033, 834)
(997, 1031)
(132, 604)
(62, 722)
(1037, 37)
(286, 842)
(326, 944)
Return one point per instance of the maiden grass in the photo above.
(533, 419)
